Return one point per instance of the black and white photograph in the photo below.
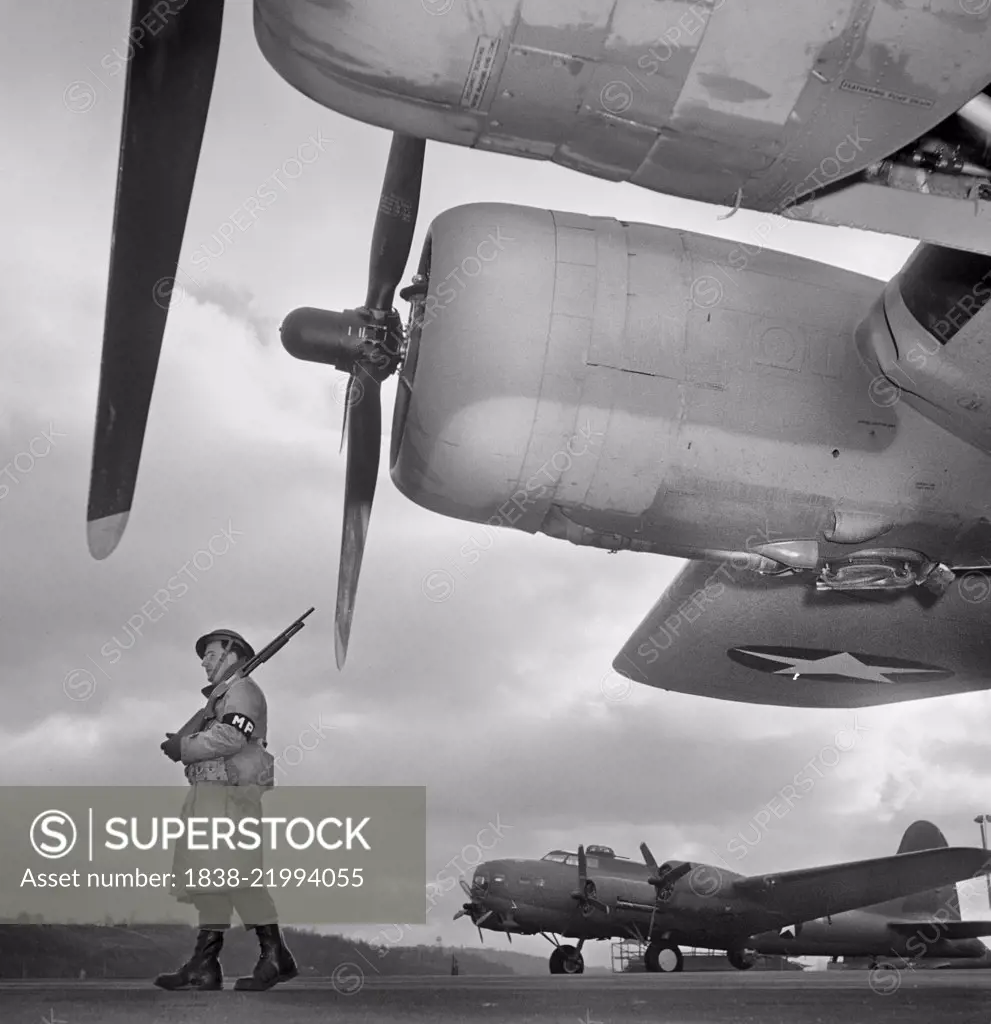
(495, 507)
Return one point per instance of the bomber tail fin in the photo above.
(923, 835)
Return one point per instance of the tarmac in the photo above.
(833, 997)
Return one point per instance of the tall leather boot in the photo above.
(275, 962)
(287, 962)
(202, 970)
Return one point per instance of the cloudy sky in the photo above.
(500, 699)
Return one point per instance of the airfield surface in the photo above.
(703, 998)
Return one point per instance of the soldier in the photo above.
(228, 768)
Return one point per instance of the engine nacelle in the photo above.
(561, 366)
(930, 336)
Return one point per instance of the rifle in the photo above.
(275, 646)
(195, 724)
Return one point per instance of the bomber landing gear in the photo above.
(663, 956)
(568, 960)
(742, 959)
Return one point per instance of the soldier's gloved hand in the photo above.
(172, 747)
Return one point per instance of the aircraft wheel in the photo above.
(663, 957)
(741, 959)
(569, 961)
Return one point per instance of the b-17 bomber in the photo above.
(594, 894)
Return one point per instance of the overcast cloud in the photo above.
(499, 699)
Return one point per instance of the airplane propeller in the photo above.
(661, 877)
(366, 343)
(586, 893)
(471, 908)
(166, 100)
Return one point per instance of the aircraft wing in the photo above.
(809, 893)
(950, 929)
(720, 632)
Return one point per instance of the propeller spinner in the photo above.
(166, 101)
(366, 343)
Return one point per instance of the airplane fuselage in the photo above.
(533, 896)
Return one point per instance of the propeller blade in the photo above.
(347, 405)
(480, 939)
(166, 101)
(466, 888)
(395, 223)
(671, 874)
(484, 917)
(364, 444)
(674, 874)
(585, 894)
(649, 860)
(660, 879)
(461, 913)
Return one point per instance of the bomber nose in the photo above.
(493, 875)
(480, 881)
(478, 894)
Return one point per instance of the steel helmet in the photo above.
(237, 640)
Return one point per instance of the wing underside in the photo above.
(948, 929)
(719, 632)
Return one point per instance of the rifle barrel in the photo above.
(277, 644)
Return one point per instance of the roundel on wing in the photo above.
(835, 666)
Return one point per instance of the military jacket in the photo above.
(230, 746)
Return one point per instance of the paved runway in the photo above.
(835, 997)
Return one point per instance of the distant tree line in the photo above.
(120, 950)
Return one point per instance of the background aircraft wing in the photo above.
(815, 892)
(949, 929)
(719, 632)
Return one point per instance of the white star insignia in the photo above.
(840, 664)
(791, 930)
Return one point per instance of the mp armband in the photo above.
(242, 723)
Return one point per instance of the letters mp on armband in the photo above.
(240, 722)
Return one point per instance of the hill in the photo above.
(118, 951)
